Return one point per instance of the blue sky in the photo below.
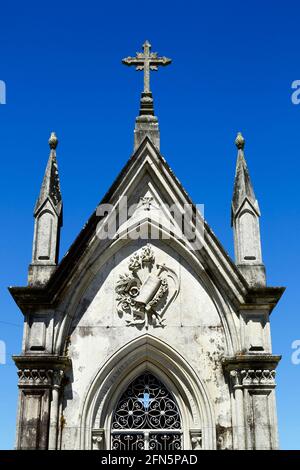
(233, 65)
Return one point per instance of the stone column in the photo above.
(252, 379)
(259, 385)
(54, 410)
(239, 428)
(34, 406)
(38, 376)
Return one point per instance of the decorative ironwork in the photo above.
(146, 417)
(146, 404)
(128, 441)
(164, 441)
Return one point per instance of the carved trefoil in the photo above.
(146, 291)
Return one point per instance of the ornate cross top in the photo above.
(146, 61)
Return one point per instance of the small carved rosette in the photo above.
(145, 292)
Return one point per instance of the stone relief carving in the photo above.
(146, 202)
(40, 377)
(35, 377)
(258, 377)
(98, 439)
(253, 377)
(196, 439)
(146, 291)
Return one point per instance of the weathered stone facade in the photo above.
(115, 308)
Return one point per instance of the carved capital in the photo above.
(40, 377)
(196, 439)
(58, 376)
(258, 377)
(35, 377)
(41, 371)
(98, 439)
(235, 378)
(251, 371)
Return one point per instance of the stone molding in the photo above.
(252, 377)
(258, 377)
(35, 377)
(41, 371)
(251, 370)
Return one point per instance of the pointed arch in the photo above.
(150, 354)
(146, 416)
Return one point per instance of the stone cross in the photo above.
(146, 61)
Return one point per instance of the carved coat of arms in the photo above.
(146, 290)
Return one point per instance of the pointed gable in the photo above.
(146, 159)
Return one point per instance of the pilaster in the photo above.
(251, 379)
(40, 379)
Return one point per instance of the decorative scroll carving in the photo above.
(145, 292)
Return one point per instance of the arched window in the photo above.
(146, 417)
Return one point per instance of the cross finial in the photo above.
(146, 61)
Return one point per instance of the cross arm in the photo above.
(160, 61)
(133, 61)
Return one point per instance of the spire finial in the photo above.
(48, 221)
(53, 141)
(240, 141)
(245, 215)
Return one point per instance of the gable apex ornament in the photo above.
(146, 123)
(145, 292)
(146, 61)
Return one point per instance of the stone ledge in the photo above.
(250, 361)
(40, 361)
(41, 371)
(262, 297)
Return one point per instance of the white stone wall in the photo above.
(193, 328)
